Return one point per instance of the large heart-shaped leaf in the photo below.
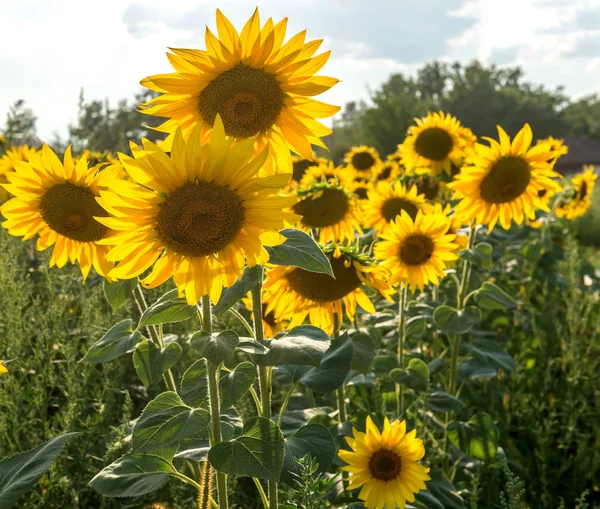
(453, 321)
(168, 309)
(236, 384)
(151, 362)
(230, 296)
(118, 292)
(415, 376)
(491, 353)
(313, 439)
(299, 250)
(258, 452)
(194, 384)
(119, 340)
(364, 352)
(215, 347)
(440, 401)
(491, 296)
(303, 345)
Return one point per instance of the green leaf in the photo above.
(133, 475)
(166, 421)
(313, 439)
(300, 250)
(236, 384)
(484, 250)
(119, 340)
(293, 420)
(452, 321)
(303, 345)
(251, 346)
(477, 437)
(440, 401)
(215, 347)
(258, 452)
(440, 493)
(416, 326)
(491, 296)
(232, 295)
(118, 292)
(151, 362)
(167, 310)
(364, 352)
(492, 354)
(194, 384)
(21, 472)
(416, 376)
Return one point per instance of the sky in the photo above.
(50, 50)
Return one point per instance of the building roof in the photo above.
(581, 151)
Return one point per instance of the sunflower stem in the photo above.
(212, 375)
(264, 375)
(401, 341)
(341, 391)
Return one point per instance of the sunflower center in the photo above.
(392, 208)
(416, 250)
(249, 101)
(321, 287)
(385, 174)
(583, 190)
(385, 465)
(69, 210)
(429, 187)
(300, 167)
(363, 161)
(507, 180)
(362, 193)
(434, 143)
(200, 218)
(327, 209)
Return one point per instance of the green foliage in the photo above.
(20, 126)
(299, 250)
(311, 488)
(513, 492)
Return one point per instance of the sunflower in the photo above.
(57, 201)
(300, 165)
(329, 209)
(360, 187)
(389, 171)
(557, 148)
(259, 86)
(364, 160)
(328, 172)
(198, 213)
(502, 182)
(295, 294)
(2, 367)
(386, 202)
(454, 228)
(271, 326)
(385, 464)
(583, 187)
(95, 158)
(435, 142)
(7, 164)
(417, 252)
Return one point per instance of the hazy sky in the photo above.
(49, 50)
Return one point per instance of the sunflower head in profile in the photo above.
(583, 186)
(329, 211)
(57, 201)
(261, 86)
(417, 252)
(271, 326)
(326, 172)
(386, 203)
(556, 147)
(363, 160)
(385, 464)
(198, 214)
(435, 143)
(502, 182)
(300, 165)
(295, 294)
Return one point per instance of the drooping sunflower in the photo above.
(300, 165)
(271, 325)
(259, 86)
(386, 202)
(7, 164)
(329, 210)
(295, 294)
(57, 201)
(556, 146)
(417, 252)
(583, 186)
(435, 143)
(502, 182)
(197, 214)
(365, 161)
(385, 464)
(328, 172)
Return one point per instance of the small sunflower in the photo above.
(57, 201)
(502, 182)
(295, 294)
(435, 143)
(360, 187)
(394, 158)
(429, 186)
(300, 165)
(197, 214)
(364, 160)
(583, 187)
(557, 148)
(94, 158)
(271, 326)
(385, 465)
(327, 172)
(7, 164)
(389, 171)
(330, 210)
(387, 201)
(417, 252)
(2, 367)
(259, 86)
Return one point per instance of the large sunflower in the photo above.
(201, 213)
(436, 142)
(57, 201)
(7, 164)
(417, 252)
(295, 294)
(502, 182)
(386, 202)
(328, 172)
(329, 210)
(364, 160)
(257, 84)
(583, 187)
(385, 465)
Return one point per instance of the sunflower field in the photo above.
(224, 317)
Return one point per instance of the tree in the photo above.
(20, 127)
(583, 117)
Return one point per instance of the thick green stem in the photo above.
(212, 375)
(341, 390)
(401, 341)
